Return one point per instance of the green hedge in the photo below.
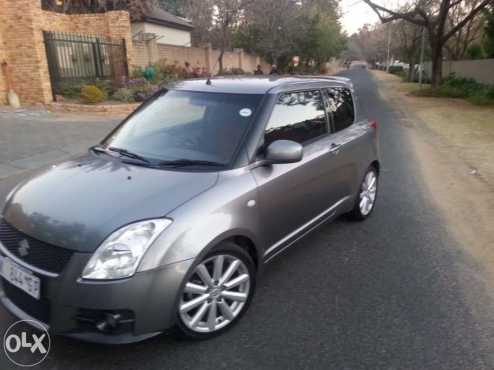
(459, 87)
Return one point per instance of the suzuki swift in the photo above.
(168, 222)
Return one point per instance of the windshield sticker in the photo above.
(246, 112)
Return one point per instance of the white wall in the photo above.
(166, 35)
(481, 70)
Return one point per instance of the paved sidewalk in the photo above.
(32, 138)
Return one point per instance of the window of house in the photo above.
(297, 116)
(341, 106)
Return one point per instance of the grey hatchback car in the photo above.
(169, 221)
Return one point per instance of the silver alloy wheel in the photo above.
(215, 293)
(368, 193)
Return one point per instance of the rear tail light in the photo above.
(373, 124)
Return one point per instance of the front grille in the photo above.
(39, 254)
(39, 309)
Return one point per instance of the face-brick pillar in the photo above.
(118, 27)
(22, 34)
(3, 57)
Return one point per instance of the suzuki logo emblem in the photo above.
(23, 248)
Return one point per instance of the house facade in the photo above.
(148, 22)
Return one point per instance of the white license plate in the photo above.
(23, 279)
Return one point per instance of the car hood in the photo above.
(78, 203)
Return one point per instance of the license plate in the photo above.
(18, 276)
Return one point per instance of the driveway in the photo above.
(385, 294)
(33, 138)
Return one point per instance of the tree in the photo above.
(176, 7)
(323, 38)
(369, 43)
(408, 45)
(433, 15)
(86, 6)
(270, 28)
(226, 17)
(488, 40)
(281, 29)
(461, 42)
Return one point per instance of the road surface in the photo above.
(383, 294)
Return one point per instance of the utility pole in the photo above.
(421, 68)
(389, 47)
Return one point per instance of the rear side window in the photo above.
(341, 106)
(297, 116)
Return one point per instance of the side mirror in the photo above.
(283, 151)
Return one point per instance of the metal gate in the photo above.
(75, 59)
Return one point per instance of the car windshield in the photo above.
(187, 127)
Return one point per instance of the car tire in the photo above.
(367, 194)
(188, 327)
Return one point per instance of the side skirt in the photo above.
(303, 230)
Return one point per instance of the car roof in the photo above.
(260, 84)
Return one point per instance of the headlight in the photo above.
(120, 254)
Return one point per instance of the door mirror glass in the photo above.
(284, 151)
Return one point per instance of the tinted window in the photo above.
(188, 125)
(341, 105)
(297, 116)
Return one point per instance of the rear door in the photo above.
(291, 195)
(345, 138)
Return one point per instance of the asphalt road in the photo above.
(383, 294)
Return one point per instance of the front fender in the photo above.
(229, 209)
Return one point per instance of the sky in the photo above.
(355, 14)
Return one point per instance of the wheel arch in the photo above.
(243, 240)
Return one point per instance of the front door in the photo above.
(291, 195)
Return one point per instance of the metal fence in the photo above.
(75, 59)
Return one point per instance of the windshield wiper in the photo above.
(99, 149)
(128, 154)
(188, 162)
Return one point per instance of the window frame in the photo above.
(307, 142)
(331, 115)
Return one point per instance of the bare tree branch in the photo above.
(410, 16)
(465, 20)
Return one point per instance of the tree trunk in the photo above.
(220, 61)
(437, 66)
(410, 71)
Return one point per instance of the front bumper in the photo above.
(145, 304)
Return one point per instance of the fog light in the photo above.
(110, 322)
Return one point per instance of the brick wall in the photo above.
(3, 56)
(22, 23)
(204, 57)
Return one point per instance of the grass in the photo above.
(464, 126)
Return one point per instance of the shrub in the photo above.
(168, 71)
(124, 95)
(104, 85)
(233, 72)
(138, 72)
(466, 88)
(91, 94)
(447, 91)
(483, 96)
(71, 90)
(237, 71)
